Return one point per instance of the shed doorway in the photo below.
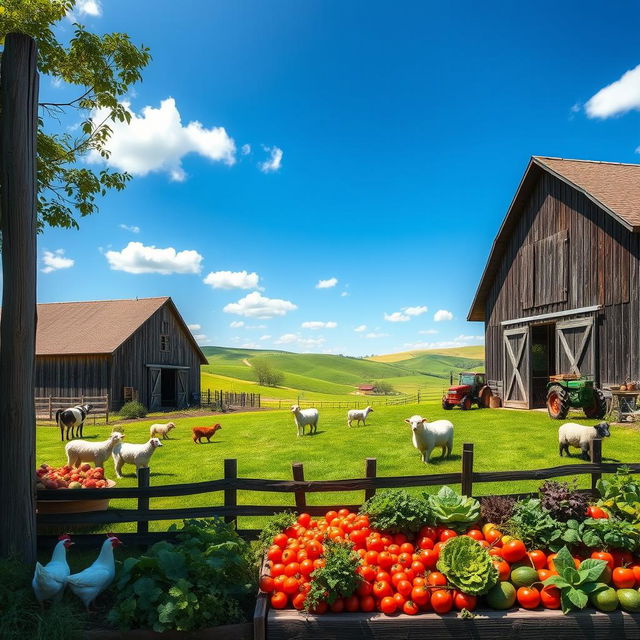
(168, 388)
(543, 361)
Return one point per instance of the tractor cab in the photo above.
(471, 389)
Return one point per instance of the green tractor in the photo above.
(572, 392)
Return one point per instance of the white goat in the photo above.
(359, 415)
(577, 435)
(161, 430)
(429, 435)
(137, 454)
(303, 417)
(79, 451)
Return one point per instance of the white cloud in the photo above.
(232, 280)
(460, 341)
(415, 311)
(199, 336)
(194, 327)
(256, 326)
(137, 258)
(327, 284)
(297, 339)
(372, 335)
(254, 305)
(344, 294)
(273, 162)
(319, 325)
(264, 337)
(619, 97)
(361, 328)
(156, 140)
(55, 260)
(89, 7)
(236, 324)
(396, 316)
(132, 228)
(250, 345)
(428, 332)
(441, 315)
(245, 149)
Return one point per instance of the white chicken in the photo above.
(92, 581)
(49, 580)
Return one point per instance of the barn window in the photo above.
(165, 344)
(544, 271)
(165, 326)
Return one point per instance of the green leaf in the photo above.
(556, 581)
(577, 598)
(593, 587)
(564, 561)
(591, 569)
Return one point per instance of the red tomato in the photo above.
(636, 571)
(621, 557)
(514, 550)
(277, 570)
(425, 543)
(418, 567)
(281, 540)
(405, 559)
(278, 582)
(538, 559)
(400, 600)
(320, 608)
(330, 515)
(465, 601)
(404, 587)
(289, 555)
(337, 606)
(266, 584)
(550, 597)
(623, 578)
(420, 595)
(279, 600)
(367, 603)
(368, 573)
(292, 569)
(419, 581)
(543, 574)
(436, 579)
(446, 534)
(528, 597)
(596, 512)
(407, 547)
(275, 554)
(383, 576)
(364, 589)
(318, 563)
(358, 537)
(382, 590)
(385, 559)
(441, 601)
(427, 532)
(476, 534)
(410, 608)
(393, 549)
(388, 605)
(374, 543)
(352, 603)
(302, 555)
(304, 520)
(396, 568)
(493, 535)
(398, 577)
(298, 601)
(306, 567)
(291, 586)
(343, 513)
(429, 558)
(504, 570)
(314, 549)
(371, 557)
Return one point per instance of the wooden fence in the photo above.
(220, 400)
(46, 407)
(358, 402)
(230, 484)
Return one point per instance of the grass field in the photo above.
(475, 352)
(265, 445)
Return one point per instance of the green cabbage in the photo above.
(455, 511)
(467, 565)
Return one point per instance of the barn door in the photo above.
(576, 347)
(516, 368)
(155, 387)
(181, 389)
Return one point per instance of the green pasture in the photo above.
(265, 445)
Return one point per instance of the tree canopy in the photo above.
(103, 68)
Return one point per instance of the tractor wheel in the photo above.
(557, 402)
(484, 397)
(598, 408)
(465, 403)
(445, 405)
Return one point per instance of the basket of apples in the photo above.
(66, 477)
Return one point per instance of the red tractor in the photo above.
(471, 389)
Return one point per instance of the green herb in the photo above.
(467, 565)
(576, 585)
(338, 577)
(203, 580)
(397, 511)
(602, 533)
(453, 510)
(276, 524)
(620, 495)
(535, 526)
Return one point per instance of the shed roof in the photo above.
(97, 327)
(613, 186)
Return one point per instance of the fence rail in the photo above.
(358, 402)
(222, 400)
(231, 484)
(46, 407)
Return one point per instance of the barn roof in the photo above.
(613, 186)
(98, 327)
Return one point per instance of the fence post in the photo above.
(231, 493)
(418, 397)
(50, 409)
(258, 401)
(369, 472)
(467, 469)
(596, 458)
(298, 474)
(143, 501)
(107, 410)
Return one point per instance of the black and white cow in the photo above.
(72, 420)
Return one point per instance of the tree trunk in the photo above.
(18, 124)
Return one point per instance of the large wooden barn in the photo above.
(120, 348)
(560, 292)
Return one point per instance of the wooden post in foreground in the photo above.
(18, 127)
(370, 465)
(231, 494)
(143, 502)
(596, 458)
(467, 469)
(298, 474)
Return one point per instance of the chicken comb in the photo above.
(64, 536)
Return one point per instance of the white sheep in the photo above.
(137, 454)
(156, 430)
(303, 417)
(577, 435)
(359, 415)
(429, 435)
(79, 451)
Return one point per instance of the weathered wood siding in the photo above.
(601, 267)
(73, 376)
(143, 348)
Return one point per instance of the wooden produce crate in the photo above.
(75, 506)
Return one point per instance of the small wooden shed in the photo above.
(560, 292)
(121, 348)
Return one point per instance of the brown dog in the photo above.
(204, 432)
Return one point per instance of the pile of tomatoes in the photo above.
(399, 574)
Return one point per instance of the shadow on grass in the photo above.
(437, 460)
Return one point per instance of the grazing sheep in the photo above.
(577, 435)
(72, 420)
(303, 417)
(137, 454)
(204, 432)
(358, 414)
(429, 435)
(79, 451)
(156, 430)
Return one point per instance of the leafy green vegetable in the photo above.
(534, 526)
(203, 580)
(467, 565)
(563, 501)
(602, 533)
(275, 525)
(620, 495)
(576, 585)
(451, 509)
(338, 577)
(396, 510)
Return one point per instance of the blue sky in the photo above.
(385, 142)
